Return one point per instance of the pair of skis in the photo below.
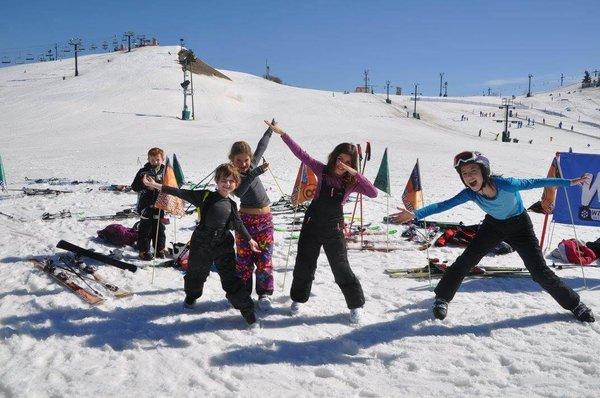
(120, 215)
(436, 269)
(70, 273)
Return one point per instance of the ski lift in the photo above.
(66, 49)
(5, 60)
(19, 61)
(93, 47)
(42, 58)
(29, 57)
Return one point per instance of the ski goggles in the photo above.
(466, 157)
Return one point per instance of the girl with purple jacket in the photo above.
(324, 223)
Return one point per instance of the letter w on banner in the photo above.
(412, 197)
(169, 203)
(305, 185)
(584, 201)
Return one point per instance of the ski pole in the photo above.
(275, 179)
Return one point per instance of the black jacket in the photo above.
(146, 197)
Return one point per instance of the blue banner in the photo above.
(583, 200)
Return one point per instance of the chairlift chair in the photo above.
(29, 57)
(93, 47)
(5, 60)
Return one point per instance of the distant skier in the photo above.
(506, 220)
(323, 224)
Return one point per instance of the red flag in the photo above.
(169, 203)
(412, 197)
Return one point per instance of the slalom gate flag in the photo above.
(412, 197)
(382, 181)
(305, 185)
(169, 203)
(546, 204)
(2, 176)
(178, 172)
(584, 201)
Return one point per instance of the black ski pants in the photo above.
(518, 232)
(208, 247)
(313, 236)
(147, 233)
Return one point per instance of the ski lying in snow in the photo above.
(64, 279)
(123, 214)
(59, 181)
(115, 188)
(369, 245)
(96, 256)
(438, 269)
(45, 191)
(79, 268)
(54, 216)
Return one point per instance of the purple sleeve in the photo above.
(364, 186)
(316, 166)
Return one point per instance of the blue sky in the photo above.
(327, 44)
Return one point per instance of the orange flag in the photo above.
(169, 203)
(305, 185)
(412, 197)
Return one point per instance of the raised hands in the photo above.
(274, 127)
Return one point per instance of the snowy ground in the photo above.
(502, 336)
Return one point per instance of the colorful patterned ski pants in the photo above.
(260, 227)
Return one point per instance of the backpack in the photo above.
(118, 235)
(575, 252)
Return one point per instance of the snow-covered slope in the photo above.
(502, 336)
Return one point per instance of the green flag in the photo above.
(382, 181)
(2, 176)
(178, 172)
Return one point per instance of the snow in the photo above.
(502, 336)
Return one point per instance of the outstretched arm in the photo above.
(521, 184)
(404, 215)
(261, 147)
(194, 197)
(315, 165)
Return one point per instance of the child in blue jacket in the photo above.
(506, 220)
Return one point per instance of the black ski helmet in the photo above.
(469, 157)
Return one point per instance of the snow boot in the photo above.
(440, 308)
(295, 308)
(264, 303)
(356, 316)
(583, 313)
(249, 316)
(189, 302)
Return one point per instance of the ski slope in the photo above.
(502, 337)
